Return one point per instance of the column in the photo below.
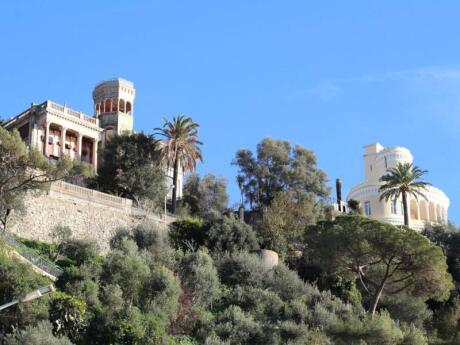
(47, 133)
(94, 162)
(35, 137)
(63, 134)
(30, 140)
(79, 144)
(427, 210)
(418, 210)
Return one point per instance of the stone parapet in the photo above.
(91, 215)
(91, 195)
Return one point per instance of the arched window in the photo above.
(122, 106)
(128, 107)
(386, 162)
(423, 210)
(432, 211)
(439, 214)
(107, 106)
(414, 214)
(115, 105)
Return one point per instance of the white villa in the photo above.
(59, 131)
(377, 159)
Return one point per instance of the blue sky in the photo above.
(331, 76)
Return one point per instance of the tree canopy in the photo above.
(283, 224)
(180, 148)
(26, 169)
(131, 168)
(386, 260)
(276, 167)
(205, 196)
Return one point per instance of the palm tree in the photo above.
(180, 148)
(403, 180)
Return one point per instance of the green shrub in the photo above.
(382, 330)
(160, 293)
(183, 340)
(225, 234)
(126, 268)
(215, 340)
(43, 248)
(290, 331)
(188, 234)
(407, 309)
(262, 304)
(68, 315)
(81, 251)
(150, 237)
(17, 279)
(199, 277)
(414, 336)
(241, 268)
(284, 282)
(82, 282)
(229, 234)
(41, 334)
(128, 327)
(237, 327)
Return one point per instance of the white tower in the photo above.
(113, 105)
(377, 161)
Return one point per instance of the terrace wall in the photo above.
(90, 214)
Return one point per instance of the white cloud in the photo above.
(328, 88)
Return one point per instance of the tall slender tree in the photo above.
(180, 147)
(403, 180)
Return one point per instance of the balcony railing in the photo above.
(90, 195)
(72, 113)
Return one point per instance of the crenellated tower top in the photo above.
(114, 104)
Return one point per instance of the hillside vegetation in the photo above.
(340, 280)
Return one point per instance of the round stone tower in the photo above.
(113, 105)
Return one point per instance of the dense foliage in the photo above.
(130, 168)
(385, 259)
(24, 170)
(348, 281)
(276, 167)
(148, 291)
(205, 197)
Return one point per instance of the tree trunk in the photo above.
(378, 293)
(406, 213)
(174, 191)
(375, 300)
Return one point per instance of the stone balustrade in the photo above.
(73, 113)
(91, 195)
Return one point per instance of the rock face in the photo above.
(269, 258)
(88, 219)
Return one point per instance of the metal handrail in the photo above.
(30, 254)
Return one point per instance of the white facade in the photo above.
(377, 160)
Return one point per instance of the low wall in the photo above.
(90, 214)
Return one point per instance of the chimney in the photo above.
(338, 189)
(241, 213)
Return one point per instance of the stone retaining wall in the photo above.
(88, 218)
